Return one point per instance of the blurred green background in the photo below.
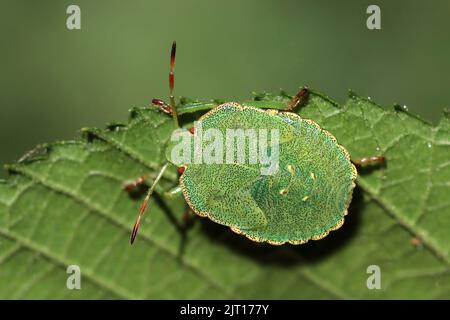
(55, 81)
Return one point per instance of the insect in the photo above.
(305, 195)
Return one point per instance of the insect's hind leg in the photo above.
(299, 99)
(370, 161)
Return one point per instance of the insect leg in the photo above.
(131, 186)
(188, 217)
(298, 99)
(172, 193)
(196, 106)
(162, 106)
(369, 161)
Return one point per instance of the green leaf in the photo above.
(64, 205)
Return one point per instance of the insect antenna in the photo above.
(172, 83)
(144, 204)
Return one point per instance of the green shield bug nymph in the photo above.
(292, 184)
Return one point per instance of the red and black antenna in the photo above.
(144, 204)
(173, 52)
(171, 109)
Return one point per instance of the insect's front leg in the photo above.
(197, 106)
(162, 106)
(184, 108)
(188, 214)
(139, 183)
(172, 193)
